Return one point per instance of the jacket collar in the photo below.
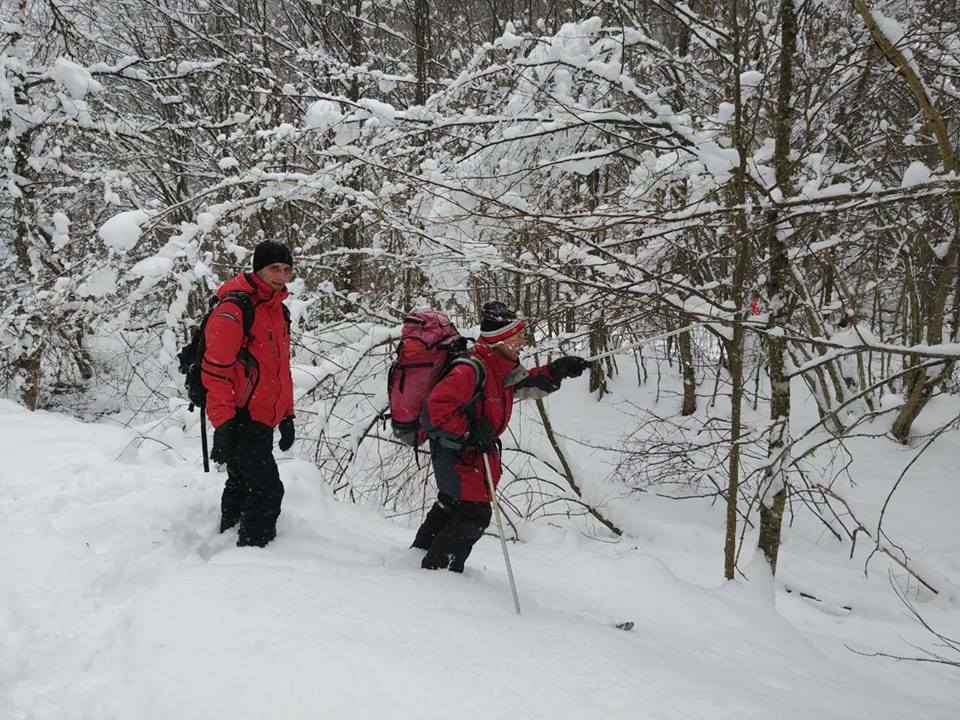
(253, 286)
(495, 362)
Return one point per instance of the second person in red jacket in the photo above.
(463, 425)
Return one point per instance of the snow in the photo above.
(916, 174)
(896, 34)
(206, 221)
(509, 41)
(381, 110)
(725, 112)
(185, 67)
(74, 78)
(951, 349)
(386, 85)
(122, 231)
(811, 191)
(100, 282)
(719, 162)
(583, 163)
(152, 267)
(751, 79)
(941, 249)
(121, 601)
(61, 233)
(322, 115)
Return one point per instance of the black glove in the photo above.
(568, 366)
(287, 434)
(480, 438)
(224, 442)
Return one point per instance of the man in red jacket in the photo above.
(250, 392)
(464, 421)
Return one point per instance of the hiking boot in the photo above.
(435, 561)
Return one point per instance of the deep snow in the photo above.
(120, 600)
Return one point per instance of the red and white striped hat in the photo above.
(498, 322)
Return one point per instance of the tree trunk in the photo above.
(421, 25)
(599, 369)
(773, 492)
(735, 346)
(686, 365)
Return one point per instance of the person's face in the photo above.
(276, 275)
(512, 346)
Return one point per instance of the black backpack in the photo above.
(192, 354)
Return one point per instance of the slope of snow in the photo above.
(121, 601)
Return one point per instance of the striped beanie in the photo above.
(498, 322)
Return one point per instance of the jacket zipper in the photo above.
(276, 355)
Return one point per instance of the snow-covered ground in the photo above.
(120, 600)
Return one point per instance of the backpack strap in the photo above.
(247, 311)
(247, 308)
(469, 407)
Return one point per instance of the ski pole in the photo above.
(203, 438)
(652, 338)
(503, 542)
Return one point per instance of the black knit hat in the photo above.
(498, 322)
(269, 252)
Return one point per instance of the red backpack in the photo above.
(429, 347)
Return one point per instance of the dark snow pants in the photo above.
(253, 492)
(449, 532)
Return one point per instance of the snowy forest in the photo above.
(747, 210)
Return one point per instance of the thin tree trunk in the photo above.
(735, 345)
(773, 492)
(421, 23)
(685, 348)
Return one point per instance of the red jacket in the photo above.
(252, 372)
(460, 473)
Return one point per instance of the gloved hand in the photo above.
(287, 434)
(480, 439)
(567, 366)
(224, 442)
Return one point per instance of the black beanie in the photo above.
(498, 322)
(269, 252)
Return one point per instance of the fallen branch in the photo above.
(568, 473)
(879, 546)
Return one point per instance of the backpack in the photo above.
(429, 347)
(191, 355)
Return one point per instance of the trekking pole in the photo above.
(503, 542)
(203, 438)
(652, 338)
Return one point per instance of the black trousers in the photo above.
(449, 532)
(253, 492)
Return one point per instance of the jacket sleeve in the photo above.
(538, 383)
(223, 337)
(446, 400)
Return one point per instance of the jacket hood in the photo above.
(253, 286)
